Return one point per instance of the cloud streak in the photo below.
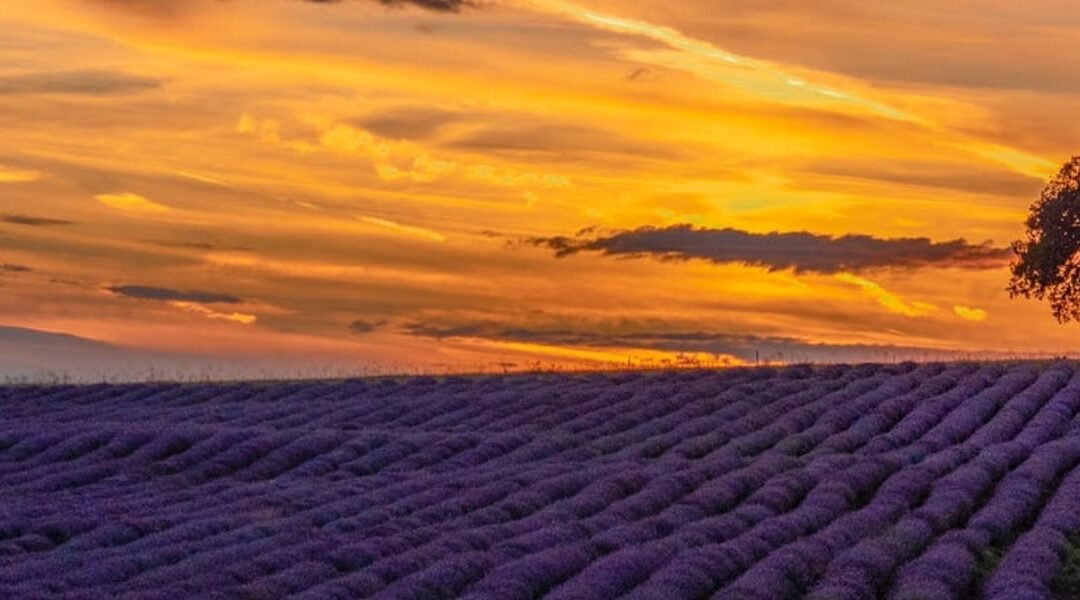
(9, 175)
(170, 8)
(433, 5)
(747, 347)
(801, 251)
(361, 326)
(778, 82)
(892, 302)
(131, 203)
(409, 230)
(143, 292)
(209, 313)
(29, 221)
(89, 82)
(968, 313)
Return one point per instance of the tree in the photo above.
(1047, 263)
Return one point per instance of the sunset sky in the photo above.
(440, 185)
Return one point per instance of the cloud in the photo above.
(412, 122)
(801, 251)
(361, 327)
(710, 62)
(155, 8)
(155, 293)
(10, 175)
(519, 135)
(396, 160)
(89, 82)
(173, 8)
(132, 203)
(954, 178)
(408, 230)
(200, 178)
(503, 132)
(746, 347)
(29, 221)
(777, 82)
(435, 5)
(642, 74)
(970, 314)
(892, 302)
(202, 246)
(11, 268)
(235, 317)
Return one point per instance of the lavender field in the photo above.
(837, 482)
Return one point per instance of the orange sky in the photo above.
(389, 185)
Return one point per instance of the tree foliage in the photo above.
(1047, 263)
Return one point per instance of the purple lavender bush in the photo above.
(869, 481)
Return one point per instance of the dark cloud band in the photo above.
(29, 221)
(361, 326)
(801, 251)
(436, 5)
(743, 346)
(155, 293)
(173, 7)
(89, 83)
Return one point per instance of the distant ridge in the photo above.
(22, 335)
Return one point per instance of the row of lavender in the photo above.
(906, 481)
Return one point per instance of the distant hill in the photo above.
(30, 352)
(30, 355)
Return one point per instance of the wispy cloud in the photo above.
(409, 230)
(776, 82)
(200, 178)
(203, 246)
(166, 9)
(361, 326)
(235, 317)
(709, 61)
(131, 203)
(801, 251)
(156, 293)
(191, 301)
(89, 82)
(398, 160)
(29, 221)
(746, 347)
(12, 175)
(253, 264)
(435, 5)
(891, 301)
(971, 314)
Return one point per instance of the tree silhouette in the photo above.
(1047, 263)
